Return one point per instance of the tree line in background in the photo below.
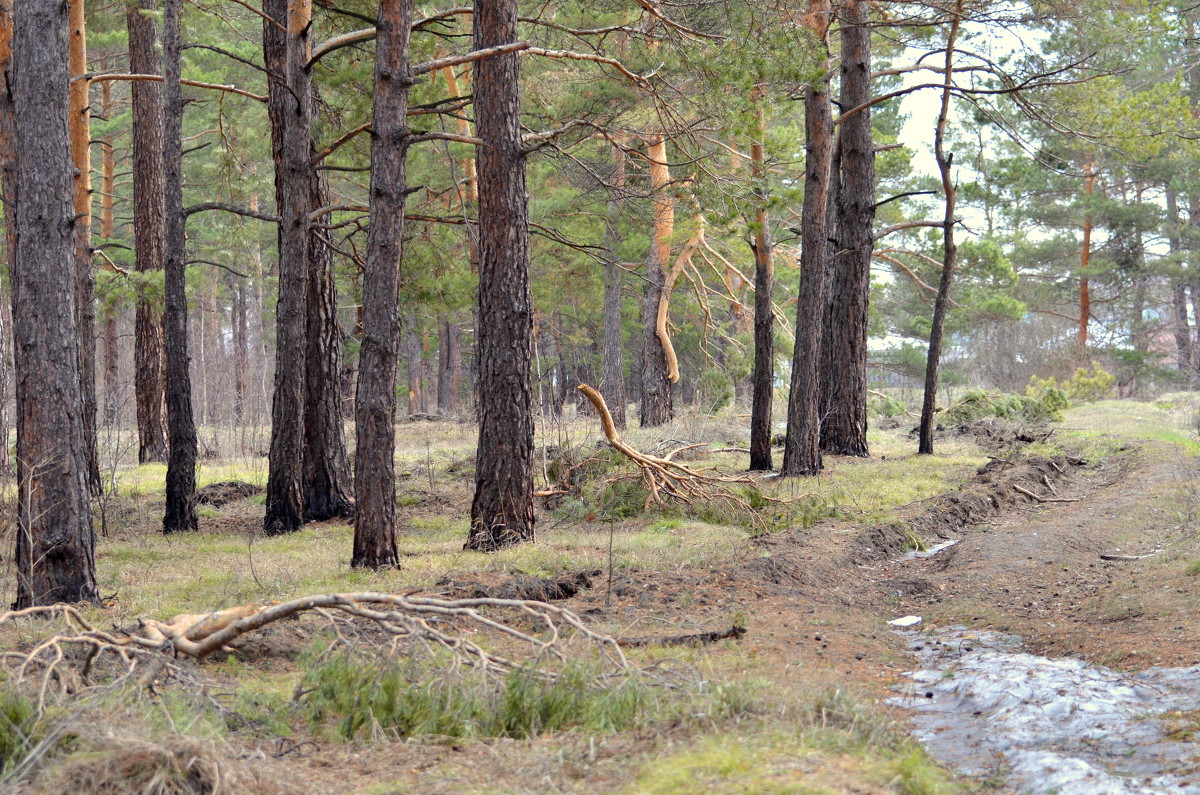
(233, 215)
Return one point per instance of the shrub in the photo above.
(885, 406)
(1086, 385)
(980, 404)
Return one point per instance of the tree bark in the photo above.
(502, 510)
(413, 362)
(949, 249)
(844, 381)
(241, 349)
(375, 399)
(289, 109)
(656, 384)
(8, 187)
(1085, 297)
(149, 230)
(108, 171)
(85, 281)
(1182, 329)
(180, 512)
(763, 376)
(612, 386)
(55, 542)
(801, 452)
(327, 479)
(449, 367)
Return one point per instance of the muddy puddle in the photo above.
(1030, 724)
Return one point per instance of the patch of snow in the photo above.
(1063, 726)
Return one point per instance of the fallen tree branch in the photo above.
(666, 479)
(151, 649)
(1036, 498)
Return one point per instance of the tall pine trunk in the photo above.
(108, 182)
(285, 54)
(1085, 256)
(55, 542)
(449, 367)
(844, 377)
(327, 481)
(149, 229)
(502, 510)
(801, 452)
(375, 398)
(949, 249)
(180, 513)
(1179, 297)
(241, 348)
(612, 385)
(763, 376)
(8, 191)
(657, 408)
(85, 280)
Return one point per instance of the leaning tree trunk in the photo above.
(375, 399)
(55, 543)
(656, 371)
(612, 386)
(85, 280)
(763, 377)
(327, 483)
(844, 380)
(949, 248)
(285, 54)
(502, 511)
(180, 513)
(801, 452)
(149, 229)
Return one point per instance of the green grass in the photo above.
(833, 743)
(355, 696)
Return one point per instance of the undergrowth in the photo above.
(352, 696)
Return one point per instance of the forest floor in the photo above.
(1050, 537)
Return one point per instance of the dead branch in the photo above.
(151, 650)
(666, 479)
(1036, 498)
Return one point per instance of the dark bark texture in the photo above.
(449, 367)
(844, 349)
(55, 542)
(180, 511)
(801, 453)
(289, 110)
(763, 375)
(327, 483)
(945, 162)
(85, 280)
(149, 229)
(375, 399)
(502, 511)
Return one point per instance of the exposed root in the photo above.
(666, 479)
